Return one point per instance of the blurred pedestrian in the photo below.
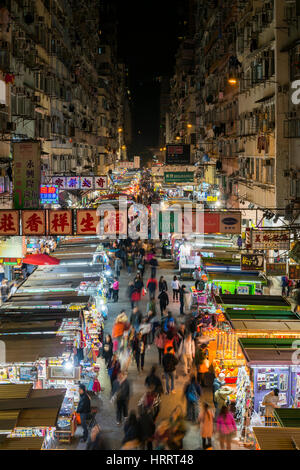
(152, 286)
(226, 428)
(121, 394)
(192, 393)
(175, 288)
(163, 286)
(169, 363)
(107, 349)
(84, 409)
(206, 420)
(163, 301)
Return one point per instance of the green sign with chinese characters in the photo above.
(179, 177)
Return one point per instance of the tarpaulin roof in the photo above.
(22, 443)
(288, 417)
(269, 300)
(272, 438)
(234, 314)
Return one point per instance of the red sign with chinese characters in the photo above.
(87, 221)
(60, 222)
(9, 222)
(115, 222)
(33, 222)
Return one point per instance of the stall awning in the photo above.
(22, 443)
(260, 300)
(14, 391)
(270, 438)
(288, 417)
(268, 357)
(266, 343)
(8, 420)
(288, 326)
(235, 278)
(266, 98)
(234, 314)
(30, 348)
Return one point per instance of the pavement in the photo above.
(106, 416)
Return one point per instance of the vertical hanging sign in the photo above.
(27, 175)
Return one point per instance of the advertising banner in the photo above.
(252, 262)
(270, 240)
(60, 222)
(179, 177)
(87, 221)
(26, 175)
(294, 272)
(276, 269)
(178, 154)
(9, 223)
(12, 248)
(33, 222)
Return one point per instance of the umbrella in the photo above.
(41, 260)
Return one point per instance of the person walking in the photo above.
(197, 277)
(118, 267)
(239, 242)
(96, 440)
(221, 396)
(159, 341)
(226, 428)
(175, 288)
(121, 393)
(192, 393)
(116, 290)
(136, 319)
(152, 286)
(131, 428)
(163, 286)
(187, 352)
(163, 302)
(84, 409)
(139, 349)
(152, 380)
(206, 420)
(107, 350)
(182, 294)
(129, 262)
(153, 264)
(169, 364)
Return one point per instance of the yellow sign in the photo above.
(212, 198)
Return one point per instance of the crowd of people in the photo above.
(181, 351)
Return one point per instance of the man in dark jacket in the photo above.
(84, 409)
(152, 380)
(182, 292)
(136, 318)
(121, 391)
(163, 301)
(152, 285)
(169, 363)
(153, 263)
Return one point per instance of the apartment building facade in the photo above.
(246, 58)
(51, 75)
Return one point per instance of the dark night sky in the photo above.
(148, 33)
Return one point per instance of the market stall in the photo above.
(238, 283)
(271, 363)
(277, 438)
(28, 413)
(253, 302)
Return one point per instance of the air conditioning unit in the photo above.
(10, 126)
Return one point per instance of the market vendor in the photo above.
(270, 402)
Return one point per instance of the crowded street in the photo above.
(149, 229)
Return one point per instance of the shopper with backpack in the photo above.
(192, 393)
